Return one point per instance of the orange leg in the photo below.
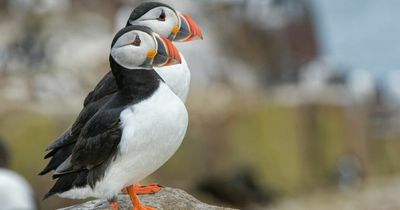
(135, 200)
(114, 205)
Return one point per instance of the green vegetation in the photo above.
(28, 135)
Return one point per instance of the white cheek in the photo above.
(161, 28)
(128, 57)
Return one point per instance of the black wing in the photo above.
(106, 86)
(96, 146)
(61, 148)
(93, 102)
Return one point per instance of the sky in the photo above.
(362, 34)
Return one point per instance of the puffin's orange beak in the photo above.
(174, 56)
(189, 30)
(167, 54)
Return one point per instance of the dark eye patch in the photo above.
(162, 16)
(137, 41)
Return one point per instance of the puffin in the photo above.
(167, 22)
(133, 133)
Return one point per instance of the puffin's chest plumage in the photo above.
(177, 77)
(152, 131)
(158, 122)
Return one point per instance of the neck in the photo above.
(134, 83)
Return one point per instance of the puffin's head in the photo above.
(165, 21)
(138, 47)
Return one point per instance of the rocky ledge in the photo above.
(166, 199)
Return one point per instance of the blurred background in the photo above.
(294, 104)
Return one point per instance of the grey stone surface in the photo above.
(166, 199)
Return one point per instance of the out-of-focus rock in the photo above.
(239, 189)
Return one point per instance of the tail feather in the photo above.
(67, 182)
(59, 156)
(51, 153)
(62, 184)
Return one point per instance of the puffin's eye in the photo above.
(162, 16)
(137, 41)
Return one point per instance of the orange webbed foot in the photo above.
(149, 189)
(144, 190)
(135, 200)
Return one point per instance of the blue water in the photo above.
(360, 33)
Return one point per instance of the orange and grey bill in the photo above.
(173, 53)
(194, 29)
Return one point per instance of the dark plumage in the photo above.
(105, 87)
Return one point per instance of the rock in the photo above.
(166, 199)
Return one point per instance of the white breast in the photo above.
(152, 132)
(177, 78)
